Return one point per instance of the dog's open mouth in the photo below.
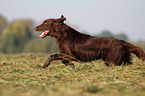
(44, 34)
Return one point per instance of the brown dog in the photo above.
(74, 45)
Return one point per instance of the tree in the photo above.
(106, 33)
(45, 45)
(122, 36)
(3, 23)
(15, 36)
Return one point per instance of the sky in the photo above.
(92, 16)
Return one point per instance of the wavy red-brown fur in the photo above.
(135, 50)
(85, 48)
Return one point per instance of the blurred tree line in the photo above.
(19, 36)
(120, 36)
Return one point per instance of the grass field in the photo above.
(22, 75)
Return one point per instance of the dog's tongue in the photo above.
(43, 34)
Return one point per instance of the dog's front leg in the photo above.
(50, 59)
(60, 56)
(68, 63)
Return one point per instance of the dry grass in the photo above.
(22, 75)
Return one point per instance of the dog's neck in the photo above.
(68, 34)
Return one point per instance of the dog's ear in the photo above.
(62, 19)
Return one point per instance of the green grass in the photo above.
(22, 75)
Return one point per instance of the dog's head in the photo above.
(51, 27)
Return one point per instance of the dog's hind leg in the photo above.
(65, 59)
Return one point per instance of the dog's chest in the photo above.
(64, 48)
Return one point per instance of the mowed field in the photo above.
(22, 75)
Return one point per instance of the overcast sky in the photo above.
(92, 16)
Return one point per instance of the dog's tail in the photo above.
(135, 50)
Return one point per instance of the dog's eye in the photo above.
(45, 22)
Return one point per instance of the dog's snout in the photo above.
(35, 28)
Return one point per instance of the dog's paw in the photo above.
(44, 66)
